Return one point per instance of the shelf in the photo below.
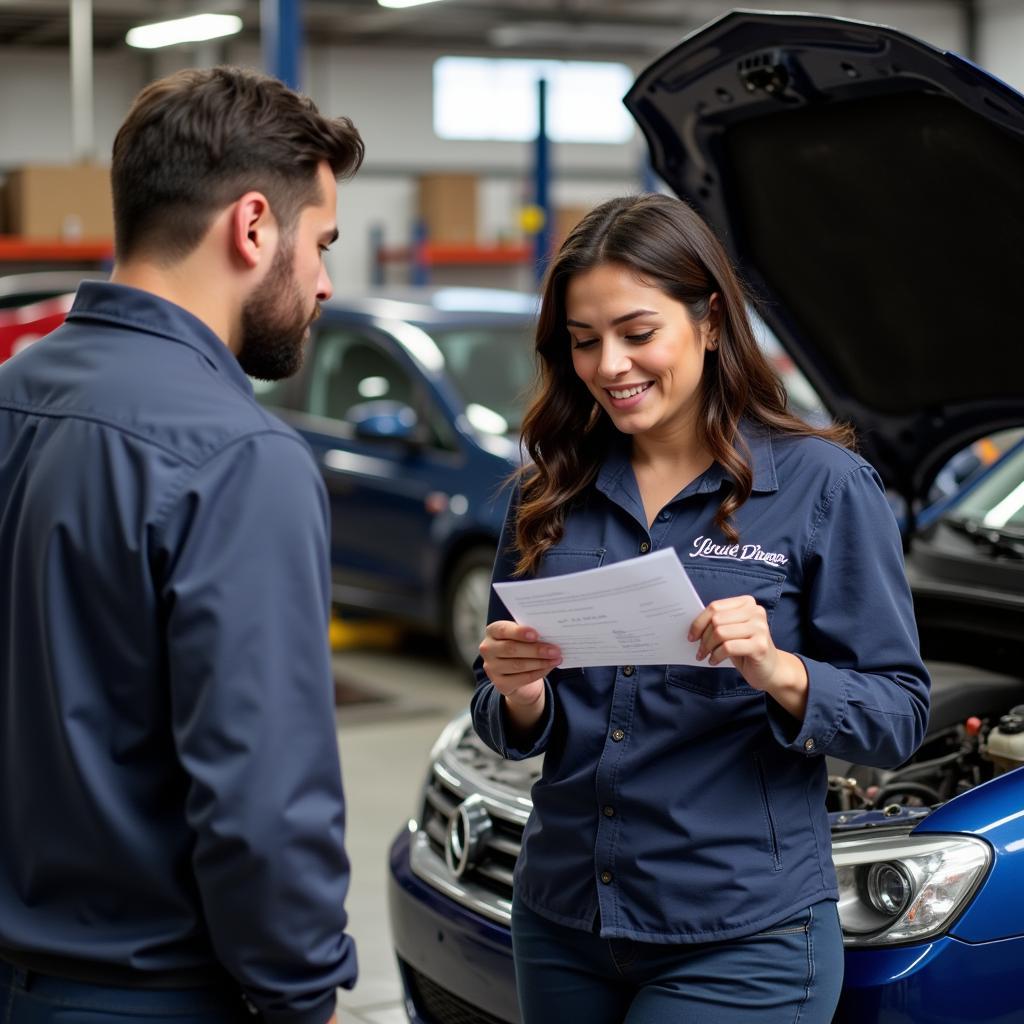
(440, 253)
(25, 250)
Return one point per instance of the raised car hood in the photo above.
(871, 189)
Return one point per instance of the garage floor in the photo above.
(391, 708)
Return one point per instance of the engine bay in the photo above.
(976, 732)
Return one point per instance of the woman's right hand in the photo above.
(516, 662)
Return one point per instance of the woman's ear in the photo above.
(713, 323)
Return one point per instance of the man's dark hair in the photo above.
(195, 141)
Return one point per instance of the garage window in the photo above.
(496, 99)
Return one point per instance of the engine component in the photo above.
(1005, 746)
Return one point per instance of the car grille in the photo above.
(493, 871)
(468, 768)
(438, 1005)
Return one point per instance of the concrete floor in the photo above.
(384, 746)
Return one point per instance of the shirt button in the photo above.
(608, 811)
(618, 735)
(809, 743)
(628, 670)
(664, 515)
(606, 877)
(644, 547)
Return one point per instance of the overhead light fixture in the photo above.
(196, 29)
(404, 3)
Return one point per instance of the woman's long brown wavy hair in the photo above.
(566, 433)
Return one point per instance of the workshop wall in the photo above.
(388, 95)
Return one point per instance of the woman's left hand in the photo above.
(737, 628)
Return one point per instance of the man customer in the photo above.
(171, 810)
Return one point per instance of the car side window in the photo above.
(351, 368)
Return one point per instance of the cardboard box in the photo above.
(70, 203)
(566, 218)
(448, 207)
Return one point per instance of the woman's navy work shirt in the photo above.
(682, 803)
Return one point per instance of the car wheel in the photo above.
(465, 608)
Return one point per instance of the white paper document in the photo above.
(635, 612)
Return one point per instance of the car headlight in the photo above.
(895, 889)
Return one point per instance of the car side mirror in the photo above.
(384, 419)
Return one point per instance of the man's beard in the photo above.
(275, 322)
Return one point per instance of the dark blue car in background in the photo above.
(871, 189)
(411, 401)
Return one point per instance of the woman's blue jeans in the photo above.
(30, 998)
(790, 973)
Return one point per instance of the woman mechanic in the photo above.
(677, 865)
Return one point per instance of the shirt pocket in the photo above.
(712, 583)
(559, 560)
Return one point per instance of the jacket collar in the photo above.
(144, 312)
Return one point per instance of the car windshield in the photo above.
(492, 369)
(995, 507)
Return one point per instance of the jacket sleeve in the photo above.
(868, 696)
(246, 595)
(488, 706)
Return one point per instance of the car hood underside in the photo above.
(871, 189)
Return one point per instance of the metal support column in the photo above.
(541, 182)
(281, 37)
(648, 178)
(969, 12)
(83, 133)
(377, 250)
(419, 265)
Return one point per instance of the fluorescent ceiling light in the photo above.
(404, 3)
(196, 29)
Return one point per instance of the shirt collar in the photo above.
(145, 312)
(758, 441)
(762, 456)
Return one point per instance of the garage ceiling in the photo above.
(512, 26)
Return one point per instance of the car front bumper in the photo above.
(942, 982)
(455, 964)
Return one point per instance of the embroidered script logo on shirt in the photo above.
(704, 547)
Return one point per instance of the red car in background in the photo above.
(32, 305)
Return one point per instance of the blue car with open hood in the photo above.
(871, 189)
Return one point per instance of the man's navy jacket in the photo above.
(170, 793)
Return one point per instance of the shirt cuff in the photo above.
(826, 705)
(532, 744)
